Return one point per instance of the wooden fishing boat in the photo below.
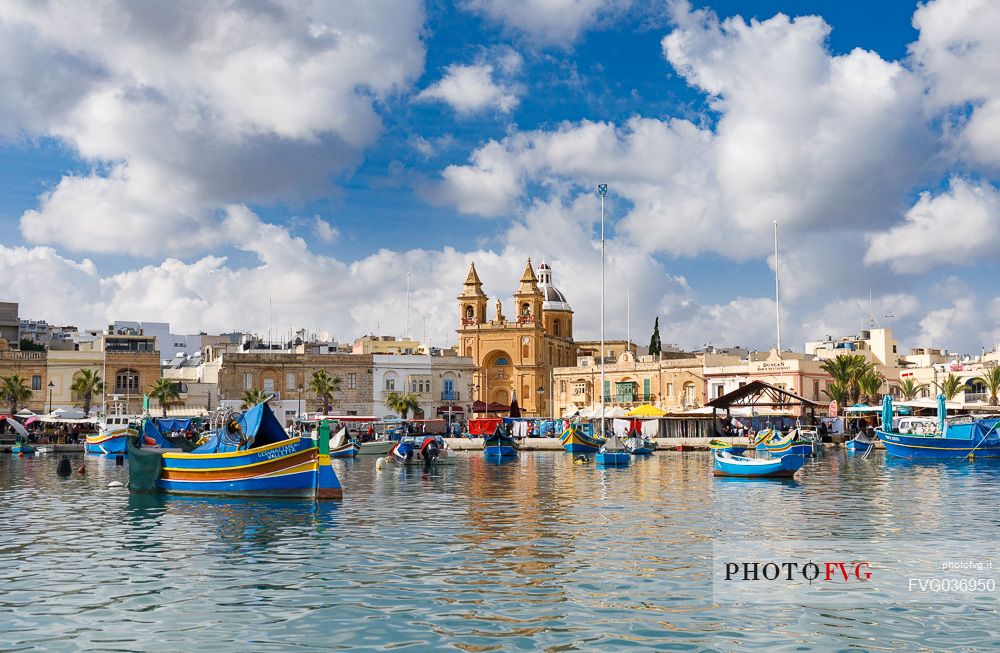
(726, 464)
(376, 448)
(112, 434)
(249, 455)
(496, 443)
(576, 441)
(722, 445)
(969, 438)
(342, 447)
(783, 445)
(859, 445)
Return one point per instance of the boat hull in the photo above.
(859, 447)
(613, 458)
(797, 449)
(936, 448)
(499, 446)
(783, 467)
(722, 445)
(349, 450)
(114, 444)
(292, 468)
(576, 443)
(376, 448)
(26, 449)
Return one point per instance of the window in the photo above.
(526, 309)
(815, 389)
(469, 312)
(555, 327)
(645, 389)
(36, 382)
(717, 391)
(268, 386)
(670, 389)
(290, 381)
(413, 386)
(449, 390)
(579, 389)
(390, 384)
(352, 381)
(126, 382)
(562, 387)
(525, 352)
(607, 391)
(501, 361)
(248, 380)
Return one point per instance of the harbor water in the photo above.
(536, 554)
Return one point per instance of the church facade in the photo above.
(515, 355)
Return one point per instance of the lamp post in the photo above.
(51, 386)
(540, 391)
(300, 401)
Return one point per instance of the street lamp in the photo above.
(538, 406)
(51, 386)
(300, 400)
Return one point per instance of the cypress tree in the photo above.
(654, 341)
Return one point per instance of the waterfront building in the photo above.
(372, 344)
(673, 382)
(516, 354)
(130, 364)
(877, 345)
(30, 366)
(284, 374)
(10, 324)
(438, 382)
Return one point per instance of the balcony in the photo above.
(454, 395)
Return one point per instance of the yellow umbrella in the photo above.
(646, 410)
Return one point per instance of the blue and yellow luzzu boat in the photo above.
(979, 438)
(575, 441)
(249, 456)
(112, 436)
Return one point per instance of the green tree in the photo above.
(870, 384)
(87, 384)
(30, 345)
(323, 386)
(951, 386)
(992, 382)
(252, 397)
(847, 370)
(14, 391)
(837, 391)
(655, 346)
(165, 392)
(402, 403)
(910, 388)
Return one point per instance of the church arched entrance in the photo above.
(497, 377)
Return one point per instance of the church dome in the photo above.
(552, 298)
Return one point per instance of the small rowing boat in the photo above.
(726, 464)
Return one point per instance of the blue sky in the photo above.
(192, 163)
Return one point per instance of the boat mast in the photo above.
(602, 190)
(777, 298)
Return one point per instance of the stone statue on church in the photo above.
(500, 317)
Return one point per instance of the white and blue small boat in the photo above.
(860, 444)
(640, 445)
(613, 453)
(726, 464)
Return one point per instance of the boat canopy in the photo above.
(484, 426)
(256, 427)
(173, 424)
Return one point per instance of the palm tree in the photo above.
(14, 390)
(951, 386)
(910, 388)
(992, 382)
(870, 384)
(837, 391)
(324, 385)
(847, 370)
(165, 392)
(87, 384)
(253, 397)
(402, 403)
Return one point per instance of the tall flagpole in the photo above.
(602, 190)
(777, 297)
(407, 333)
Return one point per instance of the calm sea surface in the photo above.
(539, 554)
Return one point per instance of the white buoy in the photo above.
(379, 463)
(116, 484)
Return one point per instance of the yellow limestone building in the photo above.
(516, 354)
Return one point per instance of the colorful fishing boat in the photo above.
(574, 440)
(248, 455)
(729, 447)
(112, 434)
(783, 445)
(496, 443)
(640, 445)
(342, 447)
(613, 453)
(955, 438)
(726, 464)
(20, 447)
